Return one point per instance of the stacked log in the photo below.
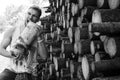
(112, 46)
(83, 39)
(106, 15)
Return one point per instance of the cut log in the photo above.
(82, 47)
(105, 43)
(96, 46)
(74, 9)
(77, 46)
(79, 73)
(56, 44)
(106, 15)
(107, 67)
(103, 4)
(84, 3)
(85, 68)
(67, 48)
(112, 46)
(74, 68)
(97, 57)
(84, 33)
(113, 4)
(73, 21)
(85, 46)
(101, 56)
(48, 37)
(59, 63)
(52, 70)
(87, 13)
(57, 3)
(55, 50)
(77, 34)
(81, 32)
(65, 73)
(94, 36)
(106, 28)
(71, 32)
(103, 38)
(79, 21)
(108, 78)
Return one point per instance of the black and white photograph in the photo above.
(59, 39)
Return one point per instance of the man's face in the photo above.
(32, 15)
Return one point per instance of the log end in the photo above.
(51, 69)
(97, 57)
(111, 46)
(55, 61)
(77, 34)
(80, 4)
(113, 4)
(96, 17)
(100, 3)
(70, 34)
(85, 68)
(92, 48)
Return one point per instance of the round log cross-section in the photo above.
(113, 4)
(112, 46)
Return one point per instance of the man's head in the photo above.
(34, 13)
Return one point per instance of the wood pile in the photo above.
(83, 40)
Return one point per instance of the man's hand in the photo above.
(18, 51)
(15, 52)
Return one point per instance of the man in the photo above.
(27, 64)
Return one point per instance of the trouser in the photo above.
(9, 75)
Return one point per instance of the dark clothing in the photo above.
(9, 75)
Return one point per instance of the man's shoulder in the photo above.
(9, 31)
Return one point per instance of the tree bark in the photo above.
(107, 67)
(84, 3)
(106, 15)
(106, 28)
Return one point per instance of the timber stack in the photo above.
(82, 37)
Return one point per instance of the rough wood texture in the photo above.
(59, 63)
(65, 73)
(83, 47)
(103, 4)
(107, 67)
(74, 66)
(101, 56)
(106, 28)
(81, 32)
(96, 46)
(52, 70)
(67, 48)
(108, 78)
(106, 15)
(83, 3)
(55, 50)
(88, 11)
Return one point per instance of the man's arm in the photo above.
(42, 49)
(5, 42)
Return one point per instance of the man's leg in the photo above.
(7, 75)
(24, 76)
